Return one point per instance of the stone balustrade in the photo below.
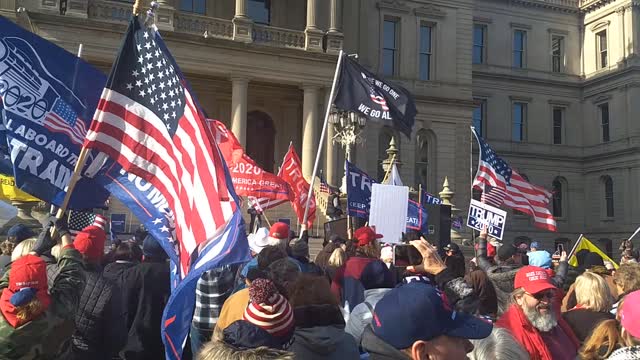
(198, 24)
(278, 37)
(110, 11)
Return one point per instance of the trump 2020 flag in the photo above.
(48, 98)
(376, 99)
(149, 122)
(358, 191)
(416, 217)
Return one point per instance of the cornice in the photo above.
(587, 6)
(430, 10)
(566, 6)
(393, 5)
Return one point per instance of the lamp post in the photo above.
(348, 127)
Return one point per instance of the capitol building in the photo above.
(552, 85)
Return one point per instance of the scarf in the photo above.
(529, 337)
(10, 312)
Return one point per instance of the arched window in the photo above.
(559, 190)
(384, 138)
(607, 184)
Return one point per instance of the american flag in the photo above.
(148, 121)
(63, 119)
(324, 187)
(79, 220)
(493, 196)
(519, 193)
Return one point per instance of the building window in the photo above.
(608, 196)
(558, 113)
(479, 116)
(604, 121)
(557, 53)
(259, 11)
(479, 36)
(389, 47)
(426, 46)
(601, 48)
(422, 159)
(519, 48)
(193, 6)
(557, 192)
(518, 131)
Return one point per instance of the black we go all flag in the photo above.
(360, 91)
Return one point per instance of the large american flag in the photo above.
(63, 119)
(519, 193)
(148, 121)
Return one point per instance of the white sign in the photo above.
(389, 211)
(482, 214)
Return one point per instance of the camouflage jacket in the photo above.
(42, 337)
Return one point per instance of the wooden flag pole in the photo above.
(575, 246)
(386, 175)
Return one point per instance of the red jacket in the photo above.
(517, 323)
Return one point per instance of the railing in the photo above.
(198, 24)
(112, 11)
(554, 3)
(278, 37)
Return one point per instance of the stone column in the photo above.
(335, 37)
(165, 14)
(331, 165)
(446, 195)
(242, 24)
(309, 126)
(239, 108)
(313, 35)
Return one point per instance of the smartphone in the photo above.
(406, 255)
(560, 248)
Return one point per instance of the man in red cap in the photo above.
(364, 271)
(534, 317)
(100, 323)
(35, 322)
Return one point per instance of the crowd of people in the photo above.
(64, 298)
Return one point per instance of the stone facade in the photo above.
(267, 75)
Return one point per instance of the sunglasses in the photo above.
(542, 295)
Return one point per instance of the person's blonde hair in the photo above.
(218, 350)
(23, 248)
(338, 257)
(592, 292)
(609, 334)
(29, 311)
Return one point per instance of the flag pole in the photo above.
(420, 194)
(575, 246)
(386, 174)
(322, 135)
(473, 232)
(634, 234)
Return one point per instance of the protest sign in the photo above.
(389, 211)
(358, 191)
(118, 223)
(416, 217)
(482, 214)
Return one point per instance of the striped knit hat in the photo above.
(268, 309)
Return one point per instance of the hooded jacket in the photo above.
(529, 337)
(361, 315)
(320, 335)
(378, 349)
(42, 337)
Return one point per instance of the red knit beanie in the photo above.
(90, 243)
(268, 309)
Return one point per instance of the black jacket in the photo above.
(583, 321)
(100, 332)
(146, 294)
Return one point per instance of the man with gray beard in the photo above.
(534, 320)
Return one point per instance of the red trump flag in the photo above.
(291, 172)
(248, 178)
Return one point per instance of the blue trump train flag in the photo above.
(48, 99)
(358, 191)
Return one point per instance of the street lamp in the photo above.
(348, 127)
